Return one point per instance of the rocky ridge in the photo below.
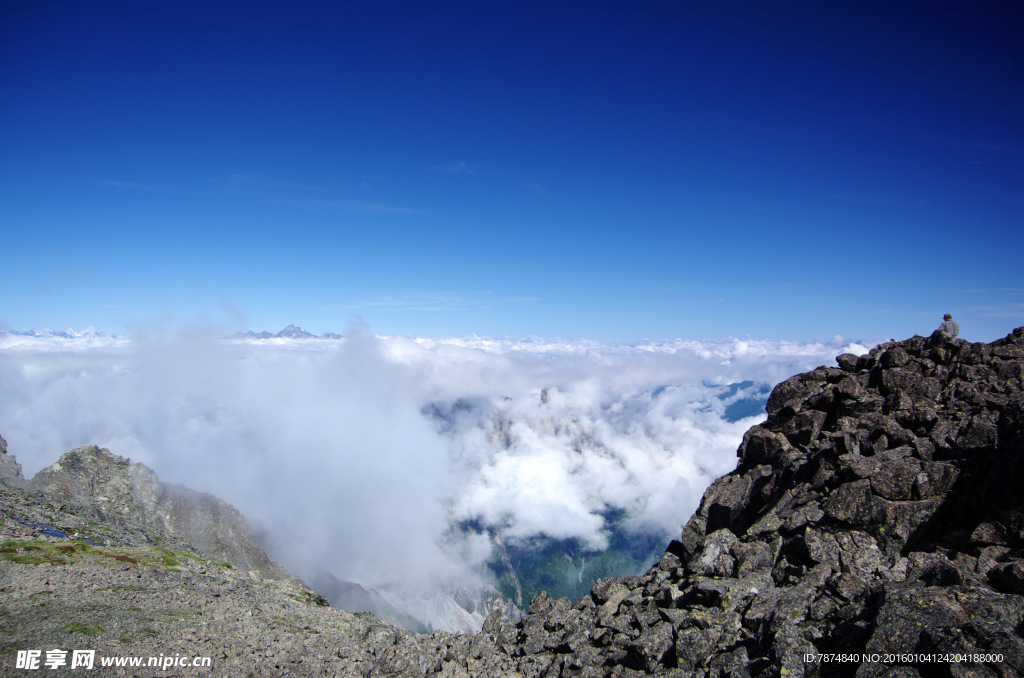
(878, 510)
(113, 491)
(875, 518)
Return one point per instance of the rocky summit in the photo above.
(874, 526)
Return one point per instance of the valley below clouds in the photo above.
(400, 461)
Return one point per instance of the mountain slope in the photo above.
(113, 490)
(874, 526)
(876, 514)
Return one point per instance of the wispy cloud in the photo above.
(531, 185)
(1007, 310)
(305, 196)
(461, 167)
(420, 302)
(360, 206)
(75, 273)
(457, 167)
(135, 185)
(118, 184)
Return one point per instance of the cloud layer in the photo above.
(358, 456)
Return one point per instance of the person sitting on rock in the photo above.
(949, 326)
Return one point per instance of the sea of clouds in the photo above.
(358, 455)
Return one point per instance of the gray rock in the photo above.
(10, 469)
(877, 510)
(114, 490)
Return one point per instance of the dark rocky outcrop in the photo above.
(878, 510)
(875, 518)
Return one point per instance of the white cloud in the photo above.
(358, 454)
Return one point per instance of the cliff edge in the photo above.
(874, 526)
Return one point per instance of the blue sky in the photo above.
(609, 170)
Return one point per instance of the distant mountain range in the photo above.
(290, 332)
(46, 339)
(87, 333)
(92, 336)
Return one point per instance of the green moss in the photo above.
(119, 557)
(36, 552)
(171, 558)
(15, 544)
(301, 595)
(168, 560)
(86, 629)
(32, 552)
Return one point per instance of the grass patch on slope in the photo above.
(37, 552)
